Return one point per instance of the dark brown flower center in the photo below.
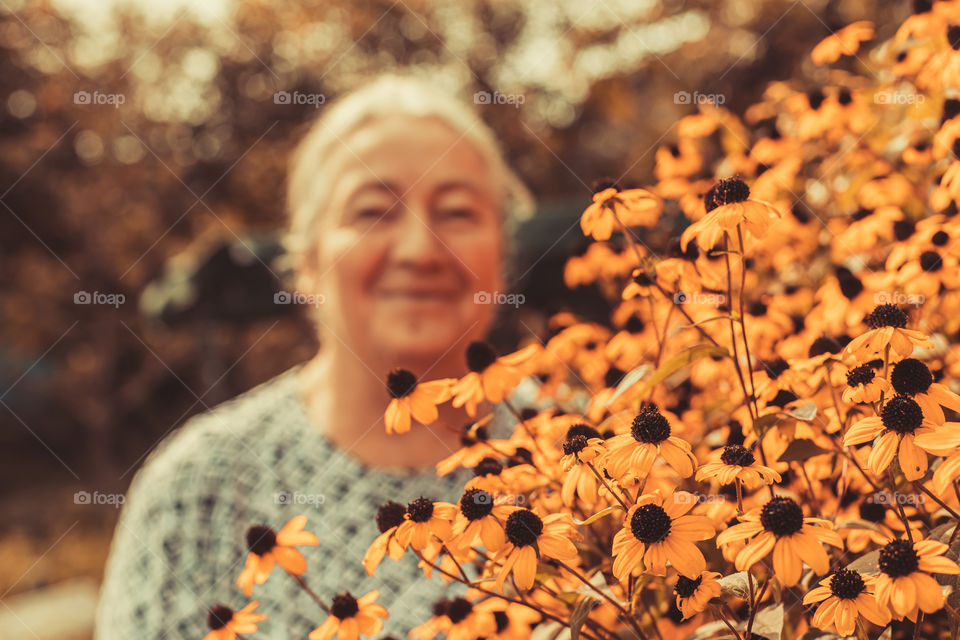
(863, 374)
(736, 455)
(846, 584)
(931, 261)
(781, 516)
(476, 504)
(901, 414)
(261, 539)
(584, 430)
(344, 606)
(420, 510)
(602, 184)
(650, 426)
(523, 527)
(458, 609)
(886, 315)
(953, 36)
(686, 587)
(650, 523)
(480, 355)
(898, 558)
(940, 238)
(218, 616)
(401, 382)
(727, 191)
(574, 445)
(910, 377)
(390, 515)
(822, 345)
(488, 467)
(872, 510)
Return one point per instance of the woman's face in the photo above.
(411, 233)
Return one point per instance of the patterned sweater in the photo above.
(179, 544)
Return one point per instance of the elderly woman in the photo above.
(399, 201)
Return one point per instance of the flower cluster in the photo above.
(768, 418)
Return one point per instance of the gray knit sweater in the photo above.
(179, 545)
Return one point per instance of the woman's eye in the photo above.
(458, 213)
(371, 214)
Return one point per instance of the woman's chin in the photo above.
(425, 340)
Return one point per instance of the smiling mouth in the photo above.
(419, 295)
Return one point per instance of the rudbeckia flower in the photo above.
(419, 399)
(530, 538)
(728, 204)
(864, 385)
(351, 617)
(900, 420)
(913, 378)
(583, 445)
(269, 548)
(423, 518)
(480, 519)
(845, 596)
(225, 623)
(737, 463)
(943, 441)
(905, 583)
(457, 619)
(632, 207)
(658, 530)
(779, 526)
(389, 518)
(635, 452)
(887, 324)
(844, 42)
(490, 378)
(693, 595)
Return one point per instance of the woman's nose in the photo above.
(415, 240)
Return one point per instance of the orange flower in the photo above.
(458, 619)
(490, 378)
(887, 324)
(582, 445)
(480, 518)
(268, 548)
(912, 378)
(737, 463)
(419, 399)
(657, 530)
(844, 42)
(350, 618)
(728, 205)
(389, 518)
(530, 538)
(900, 420)
(632, 207)
(905, 583)
(779, 526)
(694, 595)
(423, 518)
(634, 453)
(225, 623)
(864, 385)
(845, 595)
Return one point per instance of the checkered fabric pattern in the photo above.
(179, 545)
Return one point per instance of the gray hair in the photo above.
(388, 95)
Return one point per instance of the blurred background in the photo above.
(143, 150)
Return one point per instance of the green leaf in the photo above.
(806, 412)
(579, 615)
(861, 524)
(867, 564)
(801, 449)
(631, 378)
(681, 360)
(598, 515)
